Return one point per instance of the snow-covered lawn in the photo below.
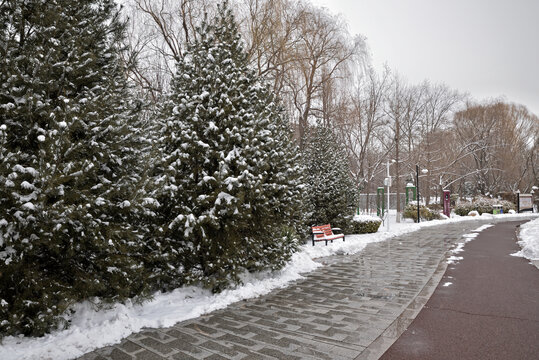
(529, 240)
(91, 329)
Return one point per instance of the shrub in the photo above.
(463, 208)
(507, 205)
(410, 212)
(364, 224)
(482, 205)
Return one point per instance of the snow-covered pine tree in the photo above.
(232, 181)
(69, 173)
(330, 193)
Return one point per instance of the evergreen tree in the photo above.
(69, 195)
(330, 193)
(231, 177)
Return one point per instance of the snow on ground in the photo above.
(454, 259)
(529, 240)
(91, 329)
(459, 247)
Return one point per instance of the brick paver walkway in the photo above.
(355, 307)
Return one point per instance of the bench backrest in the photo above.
(326, 229)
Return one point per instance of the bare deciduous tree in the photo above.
(324, 50)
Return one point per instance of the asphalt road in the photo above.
(490, 311)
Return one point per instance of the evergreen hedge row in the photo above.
(85, 213)
(96, 203)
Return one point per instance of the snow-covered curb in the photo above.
(529, 240)
(91, 329)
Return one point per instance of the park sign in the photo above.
(525, 202)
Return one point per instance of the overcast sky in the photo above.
(486, 48)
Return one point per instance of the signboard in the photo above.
(525, 202)
(447, 203)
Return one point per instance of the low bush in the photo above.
(365, 224)
(482, 205)
(410, 212)
(463, 208)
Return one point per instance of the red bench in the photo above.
(325, 233)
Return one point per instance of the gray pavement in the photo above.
(355, 307)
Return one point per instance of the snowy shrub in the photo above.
(482, 205)
(229, 177)
(507, 206)
(365, 224)
(463, 208)
(410, 212)
(330, 193)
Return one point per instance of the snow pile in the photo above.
(91, 329)
(529, 240)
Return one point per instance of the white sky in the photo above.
(486, 48)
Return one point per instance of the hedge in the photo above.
(410, 212)
(364, 224)
(482, 205)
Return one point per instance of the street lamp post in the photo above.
(387, 182)
(424, 171)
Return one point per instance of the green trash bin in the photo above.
(497, 209)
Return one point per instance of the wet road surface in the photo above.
(489, 311)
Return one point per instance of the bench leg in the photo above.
(326, 243)
(343, 238)
(313, 240)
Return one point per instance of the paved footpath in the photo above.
(490, 311)
(355, 307)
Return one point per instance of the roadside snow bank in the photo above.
(91, 329)
(529, 240)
